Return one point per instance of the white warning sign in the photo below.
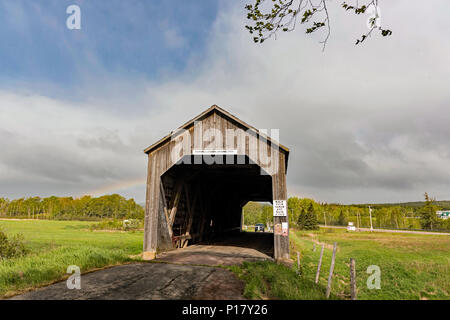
(284, 229)
(279, 208)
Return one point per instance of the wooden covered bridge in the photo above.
(200, 177)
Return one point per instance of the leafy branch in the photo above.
(283, 15)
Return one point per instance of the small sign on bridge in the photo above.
(214, 152)
(279, 208)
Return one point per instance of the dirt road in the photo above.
(189, 273)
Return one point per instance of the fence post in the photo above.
(320, 263)
(298, 262)
(352, 279)
(314, 247)
(330, 277)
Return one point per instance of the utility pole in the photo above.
(357, 220)
(370, 214)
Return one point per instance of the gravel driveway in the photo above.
(189, 273)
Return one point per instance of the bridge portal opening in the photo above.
(203, 202)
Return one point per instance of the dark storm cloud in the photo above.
(51, 162)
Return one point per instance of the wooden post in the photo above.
(330, 277)
(151, 210)
(357, 220)
(166, 214)
(279, 192)
(298, 262)
(314, 247)
(352, 279)
(174, 203)
(320, 263)
(191, 208)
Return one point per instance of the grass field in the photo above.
(412, 267)
(57, 244)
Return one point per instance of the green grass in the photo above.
(268, 280)
(412, 266)
(55, 245)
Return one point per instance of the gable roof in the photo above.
(226, 114)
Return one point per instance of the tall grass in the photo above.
(55, 245)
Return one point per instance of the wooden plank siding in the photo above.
(188, 197)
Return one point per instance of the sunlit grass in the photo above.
(268, 280)
(55, 245)
(412, 267)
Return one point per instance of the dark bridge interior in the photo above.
(204, 201)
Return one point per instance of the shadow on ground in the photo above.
(233, 249)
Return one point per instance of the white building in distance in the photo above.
(445, 214)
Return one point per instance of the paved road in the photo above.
(189, 273)
(146, 281)
(392, 230)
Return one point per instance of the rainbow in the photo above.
(118, 186)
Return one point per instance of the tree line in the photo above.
(69, 208)
(303, 212)
(306, 213)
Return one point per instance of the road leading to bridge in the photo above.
(189, 273)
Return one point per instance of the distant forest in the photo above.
(67, 208)
(443, 205)
(412, 215)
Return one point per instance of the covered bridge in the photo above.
(202, 174)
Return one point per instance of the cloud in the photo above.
(172, 37)
(58, 146)
(364, 123)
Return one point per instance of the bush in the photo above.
(13, 247)
(132, 224)
(122, 225)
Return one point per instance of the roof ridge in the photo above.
(214, 107)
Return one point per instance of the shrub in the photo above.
(13, 247)
(123, 225)
(131, 224)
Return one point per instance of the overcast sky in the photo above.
(366, 123)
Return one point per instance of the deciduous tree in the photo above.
(268, 17)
